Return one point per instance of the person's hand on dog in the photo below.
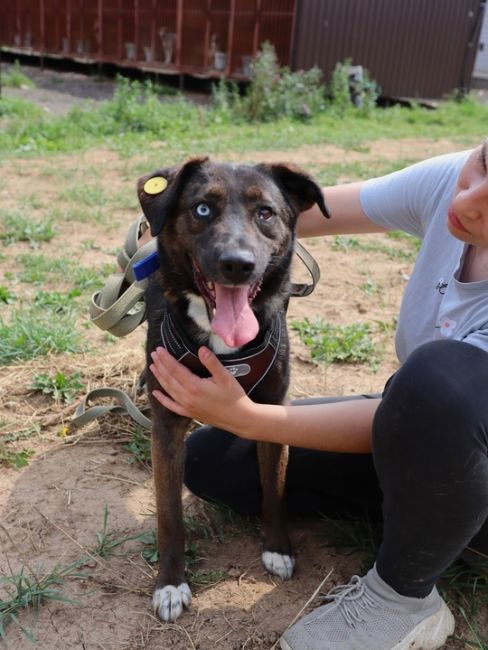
(218, 400)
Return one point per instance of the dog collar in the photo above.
(249, 367)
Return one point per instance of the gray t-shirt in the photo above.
(435, 304)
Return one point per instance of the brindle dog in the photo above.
(225, 244)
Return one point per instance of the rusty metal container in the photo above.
(205, 38)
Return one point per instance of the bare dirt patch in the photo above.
(53, 509)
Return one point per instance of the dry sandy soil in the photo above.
(53, 509)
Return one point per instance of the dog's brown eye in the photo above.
(202, 210)
(265, 214)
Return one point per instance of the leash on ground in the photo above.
(119, 307)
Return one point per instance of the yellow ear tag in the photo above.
(155, 185)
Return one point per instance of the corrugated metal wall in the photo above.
(412, 48)
(481, 62)
(207, 38)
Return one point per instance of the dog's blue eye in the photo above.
(265, 214)
(202, 210)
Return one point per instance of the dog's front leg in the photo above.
(172, 592)
(277, 554)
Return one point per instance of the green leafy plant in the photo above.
(15, 78)
(16, 459)
(273, 92)
(140, 446)
(6, 295)
(108, 541)
(59, 386)
(336, 343)
(26, 589)
(347, 90)
(32, 333)
(17, 227)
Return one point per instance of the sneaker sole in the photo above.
(430, 634)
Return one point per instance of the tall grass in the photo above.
(137, 115)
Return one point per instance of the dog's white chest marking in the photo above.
(278, 564)
(198, 312)
(168, 602)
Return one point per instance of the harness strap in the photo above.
(120, 307)
(302, 290)
(85, 413)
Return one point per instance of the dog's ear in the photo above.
(300, 188)
(159, 192)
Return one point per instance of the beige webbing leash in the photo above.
(119, 307)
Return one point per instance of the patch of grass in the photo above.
(15, 78)
(84, 194)
(361, 535)
(16, 459)
(39, 269)
(17, 227)
(57, 300)
(25, 589)
(337, 343)
(136, 115)
(466, 590)
(370, 287)
(348, 243)
(6, 295)
(140, 447)
(60, 387)
(108, 541)
(95, 214)
(202, 579)
(33, 332)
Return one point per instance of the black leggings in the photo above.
(427, 478)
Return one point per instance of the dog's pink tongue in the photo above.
(234, 320)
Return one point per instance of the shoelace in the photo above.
(352, 600)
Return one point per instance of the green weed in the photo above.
(466, 590)
(60, 387)
(15, 78)
(25, 589)
(39, 269)
(6, 295)
(84, 195)
(16, 459)
(33, 332)
(347, 243)
(337, 343)
(17, 227)
(109, 541)
(140, 446)
(56, 300)
(370, 287)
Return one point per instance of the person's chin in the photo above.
(462, 235)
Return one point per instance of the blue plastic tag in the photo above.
(146, 266)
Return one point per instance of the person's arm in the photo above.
(221, 401)
(347, 215)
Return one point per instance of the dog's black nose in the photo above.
(237, 267)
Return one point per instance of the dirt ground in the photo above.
(53, 509)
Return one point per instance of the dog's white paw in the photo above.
(168, 602)
(278, 564)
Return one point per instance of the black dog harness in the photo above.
(248, 367)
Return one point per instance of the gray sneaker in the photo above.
(367, 614)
